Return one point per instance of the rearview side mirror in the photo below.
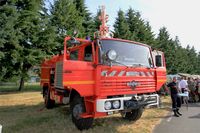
(73, 42)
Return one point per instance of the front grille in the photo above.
(109, 86)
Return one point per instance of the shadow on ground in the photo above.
(36, 118)
(31, 116)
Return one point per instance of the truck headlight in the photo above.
(112, 55)
(107, 105)
(116, 104)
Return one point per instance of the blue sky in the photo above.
(181, 17)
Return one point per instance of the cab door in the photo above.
(160, 66)
(79, 71)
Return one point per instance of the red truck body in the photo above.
(94, 85)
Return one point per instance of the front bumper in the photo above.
(128, 102)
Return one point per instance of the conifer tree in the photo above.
(191, 59)
(140, 30)
(178, 56)
(65, 19)
(166, 44)
(21, 27)
(9, 40)
(87, 23)
(132, 22)
(97, 22)
(198, 63)
(121, 27)
(149, 35)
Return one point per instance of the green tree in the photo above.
(121, 28)
(23, 25)
(96, 20)
(179, 60)
(140, 30)
(133, 24)
(149, 36)
(80, 7)
(29, 24)
(65, 19)
(9, 40)
(87, 23)
(194, 55)
(192, 60)
(198, 63)
(166, 44)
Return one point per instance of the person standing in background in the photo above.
(191, 87)
(197, 82)
(176, 100)
(183, 85)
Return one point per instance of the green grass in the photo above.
(14, 87)
(24, 112)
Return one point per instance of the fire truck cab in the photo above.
(104, 76)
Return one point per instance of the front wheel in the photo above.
(134, 115)
(77, 108)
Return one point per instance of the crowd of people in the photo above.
(194, 88)
(181, 89)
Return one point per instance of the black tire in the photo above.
(77, 107)
(49, 104)
(134, 115)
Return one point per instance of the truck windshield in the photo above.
(128, 54)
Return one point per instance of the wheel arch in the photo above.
(73, 93)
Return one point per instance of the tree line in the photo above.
(30, 32)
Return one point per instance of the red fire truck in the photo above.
(104, 76)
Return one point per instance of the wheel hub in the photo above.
(77, 110)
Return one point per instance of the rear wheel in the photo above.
(77, 108)
(47, 100)
(134, 115)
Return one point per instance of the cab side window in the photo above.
(159, 61)
(74, 55)
(88, 53)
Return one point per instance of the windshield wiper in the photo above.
(120, 63)
(139, 65)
